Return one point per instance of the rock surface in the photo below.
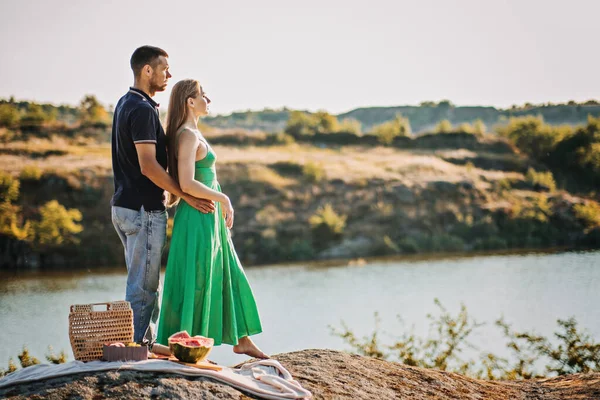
(327, 374)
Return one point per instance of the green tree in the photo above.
(387, 131)
(326, 123)
(9, 115)
(327, 226)
(479, 127)
(350, 125)
(35, 117)
(57, 225)
(444, 126)
(301, 123)
(91, 111)
(10, 213)
(532, 136)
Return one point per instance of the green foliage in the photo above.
(56, 359)
(9, 187)
(387, 131)
(446, 243)
(313, 172)
(444, 126)
(441, 350)
(533, 137)
(12, 367)
(302, 123)
(325, 122)
(57, 225)
(283, 138)
(327, 226)
(540, 180)
(327, 216)
(91, 112)
(588, 213)
(26, 359)
(577, 156)
(537, 210)
(31, 173)
(479, 127)
(9, 115)
(10, 214)
(301, 249)
(501, 186)
(35, 117)
(574, 351)
(350, 125)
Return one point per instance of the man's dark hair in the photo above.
(145, 55)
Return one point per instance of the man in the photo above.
(139, 157)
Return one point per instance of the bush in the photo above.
(350, 125)
(479, 128)
(301, 249)
(31, 173)
(588, 213)
(26, 360)
(577, 157)
(540, 180)
(575, 352)
(446, 242)
(91, 112)
(443, 126)
(35, 117)
(57, 225)
(327, 216)
(303, 123)
(533, 137)
(387, 131)
(313, 172)
(9, 115)
(282, 138)
(327, 226)
(10, 213)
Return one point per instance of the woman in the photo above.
(206, 291)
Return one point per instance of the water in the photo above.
(298, 303)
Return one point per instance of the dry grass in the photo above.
(350, 164)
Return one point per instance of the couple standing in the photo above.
(206, 291)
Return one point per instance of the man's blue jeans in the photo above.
(143, 234)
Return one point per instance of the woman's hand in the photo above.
(203, 205)
(227, 210)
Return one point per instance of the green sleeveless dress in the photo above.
(205, 291)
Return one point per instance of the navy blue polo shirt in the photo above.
(136, 121)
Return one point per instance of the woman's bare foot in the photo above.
(247, 346)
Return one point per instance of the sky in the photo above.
(310, 54)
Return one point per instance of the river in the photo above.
(298, 303)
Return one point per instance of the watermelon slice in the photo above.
(180, 335)
(190, 349)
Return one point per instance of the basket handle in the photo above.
(108, 306)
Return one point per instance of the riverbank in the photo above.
(327, 374)
(301, 202)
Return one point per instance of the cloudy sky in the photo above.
(309, 54)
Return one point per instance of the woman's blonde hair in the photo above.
(176, 117)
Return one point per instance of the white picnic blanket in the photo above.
(267, 379)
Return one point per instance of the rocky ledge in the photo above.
(327, 374)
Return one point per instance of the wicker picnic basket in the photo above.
(90, 329)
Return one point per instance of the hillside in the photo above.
(431, 194)
(422, 118)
